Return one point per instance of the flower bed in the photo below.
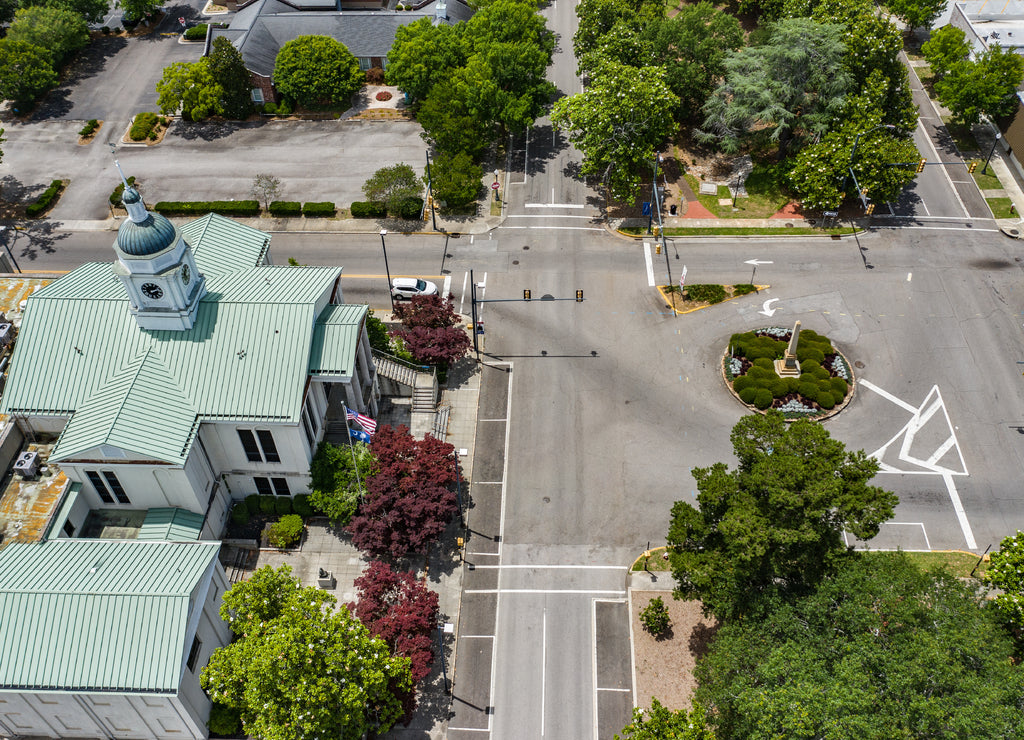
(824, 385)
(383, 96)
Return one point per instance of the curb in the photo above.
(661, 291)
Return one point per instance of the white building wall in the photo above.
(148, 486)
(228, 456)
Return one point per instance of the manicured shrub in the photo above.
(654, 617)
(743, 381)
(240, 513)
(115, 197)
(225, 720)
(709, 293)
(91, 125)
(765, 362)
(763, 398)
(284, 108)
(409, 208)
(44, 201)
(196, 33)
(779, 388)
(270, 108)
(319, 209)
(252, 503)
(283, 505)
(143, 126)
(285, 208)
(826, 400)
(743, 289)
(805, 353)
(808, 390)
(820, 373)
(839, 387)
(202, 207)
(747, 395)
(761, 373)
(286, 531)
(368, 209)
(267, 505)
(374, 76)
(300, 504)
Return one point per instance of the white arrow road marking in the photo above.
(758, 262)
(768, 311)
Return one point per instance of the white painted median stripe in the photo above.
(649, 263)
(961, 515)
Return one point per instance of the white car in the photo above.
(409, 287)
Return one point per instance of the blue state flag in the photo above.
(646, 208)
(359, 436)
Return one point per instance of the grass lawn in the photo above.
(926, 76)
(764, 195)
(1001, 207)
(654, 563)
(962, 136)
(959, 564)
(988, 180)
(741, 231)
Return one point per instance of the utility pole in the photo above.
(430, 194)
(472, 303)
(661, 230)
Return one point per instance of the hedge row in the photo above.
(809, 346)
(285, 208)
(144, 126)
(271, 505)
(44, 201)
(196, 33)
(91, 125)
(324, 209)
(410, 208)
(193, 207)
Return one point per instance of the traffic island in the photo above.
(818, 381)
(696, 297)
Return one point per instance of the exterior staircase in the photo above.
(422, 384)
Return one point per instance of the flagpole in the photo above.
(352, 449)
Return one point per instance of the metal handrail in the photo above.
(405, 363)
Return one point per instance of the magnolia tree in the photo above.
(1006, 572)
(410, 498)
(298, 668)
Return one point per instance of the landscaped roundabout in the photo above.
(816, 380)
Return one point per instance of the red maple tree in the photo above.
(410, 499)
(431, 330)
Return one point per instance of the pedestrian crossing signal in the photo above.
(870, 209)
(579, 296)
(972, 167)
(526, 295)
(920, 165)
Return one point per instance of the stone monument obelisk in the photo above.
(789, 366)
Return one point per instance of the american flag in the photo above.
(364, 421)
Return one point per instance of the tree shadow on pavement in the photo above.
(210, 130)
(32, 238)
(87, 63)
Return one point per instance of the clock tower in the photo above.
(156, 267)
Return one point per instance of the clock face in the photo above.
(152, 290)
(186, 274)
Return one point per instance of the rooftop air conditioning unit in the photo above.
(6, 334)
(28, 465)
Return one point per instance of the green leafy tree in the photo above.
(393, 185)
(619, 123)
(317, 72)
(985, 87)
(336, 473)
(880, 650)
(450, 125)
(661, 723)
(795, 79)
(191, 88)
(61, 32)
(610, 25)
(423, 55)
(300, 668)
(228, 69)
(655, 618)
(692, 47)
(457, 181)
(917, 13)
(136, 10)
(92, 11)
(25, 72)
(7, 10)
(377, 332)
(774, 524)
(946, 48)
(1006, 572)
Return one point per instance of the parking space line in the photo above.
(961, 515)
(602, 688)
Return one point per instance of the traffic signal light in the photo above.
(870, 209)
(972, 167)
(526, 295)
(579, 296)
(657, 248)
(863, 192)
(920, 165)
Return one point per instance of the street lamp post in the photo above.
(495, 182)
(430, 196)
(856, 141)
(991, 152)
(383, 233)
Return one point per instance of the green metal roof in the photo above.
(97, 615)
(335, 339)
(80, 353)
(173, 525)
(220, 245)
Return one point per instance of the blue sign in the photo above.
(647, 208)
(359, 436)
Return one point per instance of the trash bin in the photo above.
(672, 210)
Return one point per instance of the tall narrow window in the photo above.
(307, 429)
(193, 653)
(263, 487)
(115, 486)
(267, 443)
(100, 486)
(312, 416)
(252, 450)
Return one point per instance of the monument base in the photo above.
(788, 368)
